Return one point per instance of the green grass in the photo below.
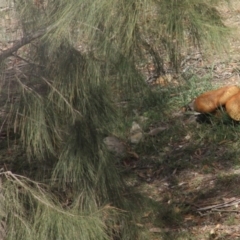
(206, 148)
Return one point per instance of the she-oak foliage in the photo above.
(87, 60)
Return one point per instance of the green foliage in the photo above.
(119, 33)
(88, 60)
(27, 204)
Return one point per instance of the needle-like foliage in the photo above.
(65, 96)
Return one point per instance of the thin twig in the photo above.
(222, 205)
(221, 210)
(23, 41)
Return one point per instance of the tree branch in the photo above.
(19, 43)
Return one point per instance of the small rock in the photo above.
(115, 146)
(136, 133)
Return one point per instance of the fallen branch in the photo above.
(19, 43)
(219, 207)
(228, 211)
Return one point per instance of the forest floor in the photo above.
(191, 171)
(188, 172)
